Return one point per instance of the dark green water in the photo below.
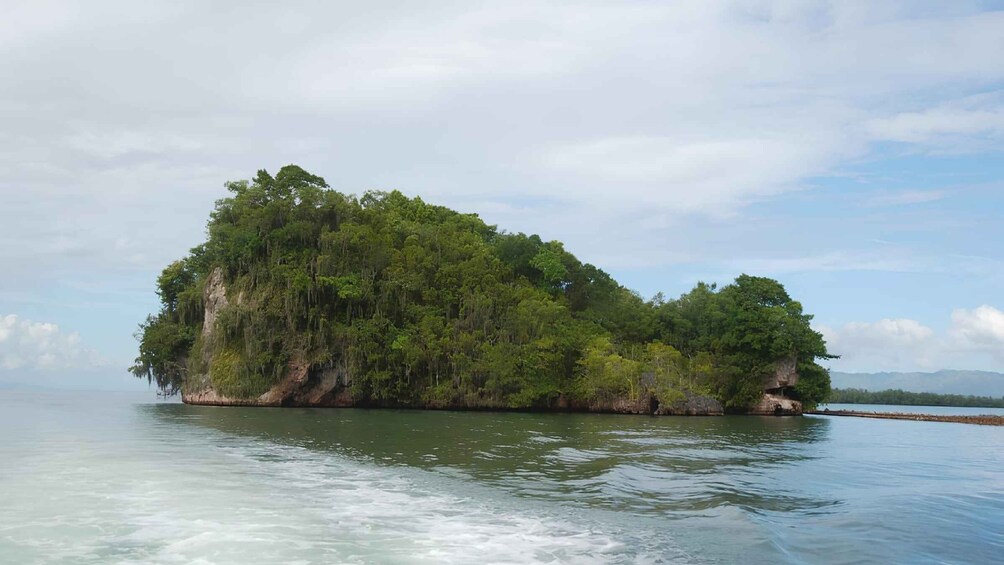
(88, 478)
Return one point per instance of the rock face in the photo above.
(775, 405)
(215, 299)
(785, 375)
(774, 401)
(302, 386)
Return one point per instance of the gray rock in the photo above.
(776, 405)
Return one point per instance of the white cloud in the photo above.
(980, 329)
(879, 256)
(640, 133)
(887, 344)
(972, 123)
(891, 261)
(623, 116)
(920, 127)
(28, 345)
(890, 332)
(116, 144)
(974, 339)
(712, 176)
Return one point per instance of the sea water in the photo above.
(125, 478)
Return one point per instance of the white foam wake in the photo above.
(275, 503)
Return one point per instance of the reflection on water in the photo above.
(645, 464)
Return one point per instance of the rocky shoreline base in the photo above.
(982, 419)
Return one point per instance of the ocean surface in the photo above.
(125, 478)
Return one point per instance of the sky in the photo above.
(852, 150)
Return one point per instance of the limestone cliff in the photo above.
(776, 405)
(302, 385)
(785, 375)
(774, 401)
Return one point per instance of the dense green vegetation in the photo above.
(898, 397)
(424, 306)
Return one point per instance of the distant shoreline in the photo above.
(899, 397)
(982, 419)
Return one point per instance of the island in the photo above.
(305, 296)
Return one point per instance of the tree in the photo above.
(421, 305)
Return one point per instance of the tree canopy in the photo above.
(423, 305)
(899, 397)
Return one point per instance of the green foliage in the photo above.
(426, 306)
(163, 352)
(671, 374)
(171, 283)
(813, 385)
(548, 262)
(605, 374)
(746, 328)
(898, 397)
(237, 375)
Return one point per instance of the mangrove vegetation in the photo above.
(896, 397)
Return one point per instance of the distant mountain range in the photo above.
(948, 381)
